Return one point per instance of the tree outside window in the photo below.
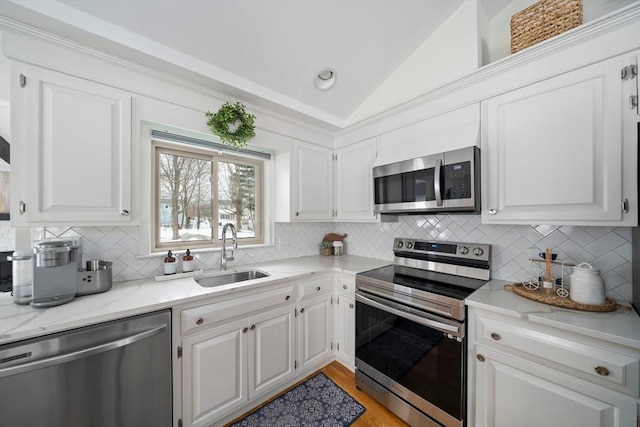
(198, 192)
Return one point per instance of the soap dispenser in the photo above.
(187, 262)
(170, 264)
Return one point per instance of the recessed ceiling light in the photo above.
(325, 79)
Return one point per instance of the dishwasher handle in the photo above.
(68, 357)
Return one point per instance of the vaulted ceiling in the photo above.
(265, 52)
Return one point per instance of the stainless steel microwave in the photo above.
(445, 182)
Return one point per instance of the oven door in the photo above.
(413, 354)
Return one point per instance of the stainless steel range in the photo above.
(410, 329)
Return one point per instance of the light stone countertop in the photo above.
(18, 322)
(621, 326)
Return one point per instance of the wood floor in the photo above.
(376, 415)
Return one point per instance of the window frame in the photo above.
(159, 146)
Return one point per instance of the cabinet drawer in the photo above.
(198, 318)
(608, 366)
(347, 285)
(314, 288)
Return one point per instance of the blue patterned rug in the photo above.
(316, 402)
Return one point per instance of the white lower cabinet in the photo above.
(315, 321)
(214, 373)
(346, 320)
(235, 352)
(511, 391)
(225, 367)
(315, 325)
(529, 375)
(346, 331)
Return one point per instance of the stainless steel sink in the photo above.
(225, 279)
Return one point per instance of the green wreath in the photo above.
(232, 125)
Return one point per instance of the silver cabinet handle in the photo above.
(200, 321)
(492, 211)
(351, 305)
(124, 212)
(64, 358)
(22, 207)
(480, 358)
(245, 330)
(495, 336)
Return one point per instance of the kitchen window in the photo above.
(199, 190)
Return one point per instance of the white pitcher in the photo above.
(587, 287)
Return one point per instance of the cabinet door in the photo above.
(271, 350)
(314, 332)
(512, 392)
(73, 162)
(314, 182)
(552, 152)
(354, 182)
(346, 329)
(214, 373)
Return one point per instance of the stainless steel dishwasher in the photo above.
(115, 374)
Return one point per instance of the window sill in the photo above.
(202, 250)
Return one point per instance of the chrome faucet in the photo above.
(223, 253)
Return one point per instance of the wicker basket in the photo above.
(543, 20)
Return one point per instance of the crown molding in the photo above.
(606, 24)
(20, 28)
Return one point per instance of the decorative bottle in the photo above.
(170, 264)
(187, 262)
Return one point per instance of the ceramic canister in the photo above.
(587, 287)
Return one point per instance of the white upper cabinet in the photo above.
(71, 149)
(563, 150)
(354, 182)
(312, 183)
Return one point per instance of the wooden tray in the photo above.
(558, 301)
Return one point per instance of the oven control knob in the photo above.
(478, 251)
(463, 250)
(400, 244)
(409, 245)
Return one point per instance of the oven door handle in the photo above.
(444, 327)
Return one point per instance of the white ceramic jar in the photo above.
(586, 285)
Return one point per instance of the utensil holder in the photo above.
(95, 281)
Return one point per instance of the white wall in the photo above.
(452, 50)
(499, 34)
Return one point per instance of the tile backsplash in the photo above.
(605, 248)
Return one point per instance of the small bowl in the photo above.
(544, 256)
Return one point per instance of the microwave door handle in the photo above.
(437, 183)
